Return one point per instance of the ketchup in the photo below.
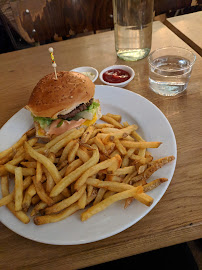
(116, 76)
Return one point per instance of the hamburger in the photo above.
(63, 104)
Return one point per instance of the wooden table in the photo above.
(177, 217)
(188, 27)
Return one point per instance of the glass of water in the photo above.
(170, 70)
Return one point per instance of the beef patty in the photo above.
(80, 108)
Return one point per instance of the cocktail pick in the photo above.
(53, 61)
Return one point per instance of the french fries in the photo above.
(102, 164)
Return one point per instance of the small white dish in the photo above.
(87, 69)
(122, 84)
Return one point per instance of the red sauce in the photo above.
(116, 76)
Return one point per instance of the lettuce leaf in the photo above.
(46, 121)
(93, 106)
(43, 121)
(88, 113)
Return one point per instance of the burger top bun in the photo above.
(51, 97)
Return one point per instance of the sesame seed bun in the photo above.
(51, 97)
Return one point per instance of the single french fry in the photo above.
(125, 124)
(87, 134)
(94, 133)
(33, 141)
(25, 171)
(108, 194)
(162, 161)
(6, 159)
(18, 189)
(73, 166)
(66, 202)
(89, 189)
(120, 147)
(140, 183)
(3, 170)
(62, 172)
(143, 198)
(137, 137)
(130, 144)
(82, 200)
(106, 138)
(111, 120)
(126, 170)
(62, 165)
(99, 196)
(115, 178)
(13, 147)
(91, 141)
(153, 184)
(39, 187)
(67, 150)
(29, 193)
(125, 161)
(110, 147)
(82, 155)
(115, 165)
(72, 153)
(142, 168)
(74, 175)
(29, 164)
(45, 161)
(119, 132)
(100, 145)
(156, 165)
(107, 202)
(130, 176)
(114, 153)
(57, 155)
(17, 160)
(114, 116)
(142, 152)
(100, 126)
(109, 185)
(35, 199)
(49, 180)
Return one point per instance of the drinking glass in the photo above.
(170, 70)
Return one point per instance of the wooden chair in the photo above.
(53, 20)
(44, 21)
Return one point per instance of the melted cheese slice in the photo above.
(90, 122)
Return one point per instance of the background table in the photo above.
(188, 27)
(177, 217)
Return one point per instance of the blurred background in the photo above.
(27, 23)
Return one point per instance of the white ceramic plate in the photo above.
(153, 126)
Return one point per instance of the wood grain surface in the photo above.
(177, 217)
(189, 25)
(56, 20)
